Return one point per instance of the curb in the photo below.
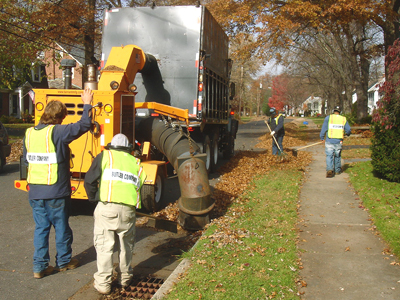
(172, 279)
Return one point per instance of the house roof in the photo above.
(77, 52)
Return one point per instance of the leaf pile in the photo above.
(16, 151)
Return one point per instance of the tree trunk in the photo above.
(89, 38)
(362, 89)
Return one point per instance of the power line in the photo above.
(37, 32)
(39, 43)
(29, 30)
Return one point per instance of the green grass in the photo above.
(19, 126)
(318, 120)
(381, 199)
(245, 119)
(356, 153)
(252, 253)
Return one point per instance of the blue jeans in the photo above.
(275, 149)
(47, 213)
(333, 157)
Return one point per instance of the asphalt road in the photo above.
(155, 251)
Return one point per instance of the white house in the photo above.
(373, 95)
(313, 105)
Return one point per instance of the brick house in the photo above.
(54, 72)
(45, 73)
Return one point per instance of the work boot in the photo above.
(48, 271)
(339, 172)
(73, 263)
(102, 290)
(330, 174)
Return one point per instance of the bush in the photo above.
(385, 152)
(10, 120)
(4, 119)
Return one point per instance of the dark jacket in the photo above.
(278, 128)
(63, 135)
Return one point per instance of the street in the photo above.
(16, 236)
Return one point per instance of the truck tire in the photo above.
(2, 159)
(230, 148)
(152, 194)
(214, 152)
(207, 150)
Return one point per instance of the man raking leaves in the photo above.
(276, 127)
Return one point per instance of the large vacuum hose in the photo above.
(195, 202)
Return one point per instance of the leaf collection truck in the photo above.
(164, 83)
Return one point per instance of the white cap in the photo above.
(120, 140)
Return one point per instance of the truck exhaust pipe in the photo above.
(67, 65)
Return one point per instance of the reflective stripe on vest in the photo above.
(277, 119)
(336, 126)
(121, 179)
(41, 156)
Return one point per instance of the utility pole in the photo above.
(258, 99)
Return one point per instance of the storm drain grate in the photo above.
(142, 288)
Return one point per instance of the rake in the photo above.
(294, 151)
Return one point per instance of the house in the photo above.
(313, 105)
(54, 72)
(45, 73)
(373, 95)
(16, 102)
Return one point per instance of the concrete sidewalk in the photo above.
(342, 257)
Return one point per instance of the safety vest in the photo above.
(277, 119)
(121, 179)
(336, 126)
(41, 156)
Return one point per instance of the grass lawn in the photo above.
(19, 126)
(381, 199)
(255, 255)
(318, 120)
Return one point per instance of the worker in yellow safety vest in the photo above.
(47, 155)
(334, 128)
(114, 180)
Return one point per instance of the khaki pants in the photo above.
(113, 221)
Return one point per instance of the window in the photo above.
(37, 73)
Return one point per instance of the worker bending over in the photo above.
(114, 180)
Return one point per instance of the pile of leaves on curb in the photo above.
(16, 151)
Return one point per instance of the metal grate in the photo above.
(142, 288)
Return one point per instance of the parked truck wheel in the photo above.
(2, 158)
(214, 152)
(152, 194)
(207, 150)
(229, 151)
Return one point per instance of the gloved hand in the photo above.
(273, 132)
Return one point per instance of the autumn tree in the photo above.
(279, 25)
(279, 89)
